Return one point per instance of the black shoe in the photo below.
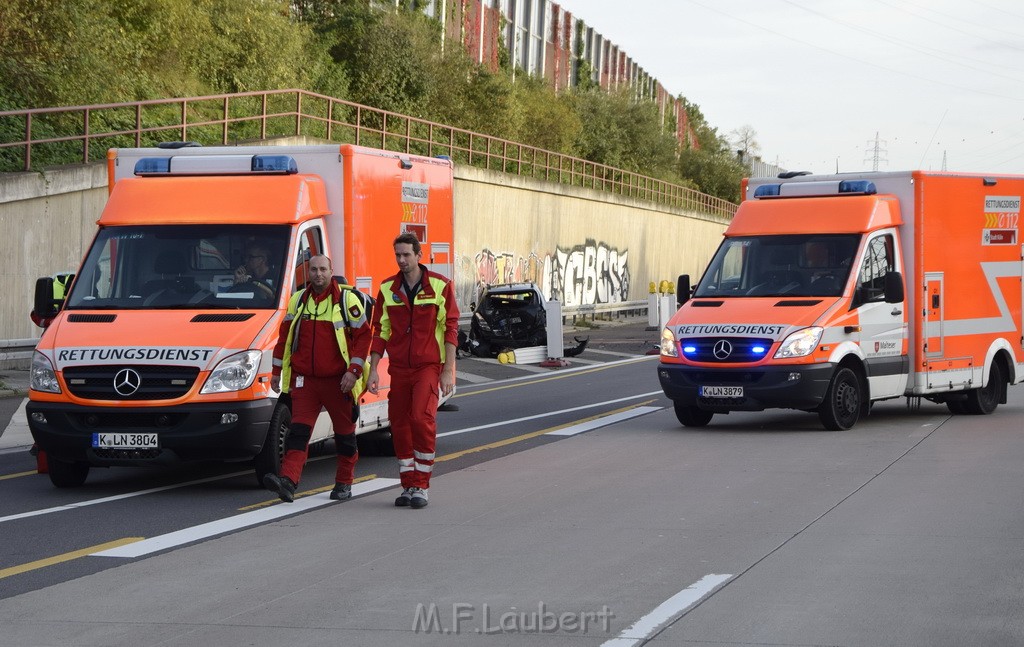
(418, 498)
(342, 492)
(404, 498)
(281, 485)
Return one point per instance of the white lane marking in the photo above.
(237, 522)
(470, 377)
(562, 371)
(603, 421)
(547, 415)
(117, 497)
(611, 352)
(666, 612)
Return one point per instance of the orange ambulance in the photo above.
(157, 354)
(831, 292)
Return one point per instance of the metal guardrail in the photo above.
(16, 350)
(81, 134)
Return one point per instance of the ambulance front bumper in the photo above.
(225, 431)
(765, 387)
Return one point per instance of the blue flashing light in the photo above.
(274, 164)
(689, 349)
(767, 191)
(760, 350)
(151, 165)
(865, 187)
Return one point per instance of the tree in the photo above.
(744, 142)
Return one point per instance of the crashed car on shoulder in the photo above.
(508, 316)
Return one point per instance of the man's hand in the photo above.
(275, 382)
(447, 381)
(242, 274)
(372, 382)
(347, 382)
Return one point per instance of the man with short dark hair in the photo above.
(416, 320)
(255, 272)
(319, 358)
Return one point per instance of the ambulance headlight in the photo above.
(669, 348)
(234, 373)
(42, 377)
(800, 344)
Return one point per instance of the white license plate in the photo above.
(721, 391)
(125, 441)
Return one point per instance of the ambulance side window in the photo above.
(311, 243)
(879, 258)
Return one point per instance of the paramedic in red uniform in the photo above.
(319, 358)
(416, 320)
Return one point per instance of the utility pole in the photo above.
(943, 160)
(876, 152)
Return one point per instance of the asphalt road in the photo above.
(569, 508)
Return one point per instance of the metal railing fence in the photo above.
(37, 138)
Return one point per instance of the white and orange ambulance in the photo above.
(157, 355)
(831, 292)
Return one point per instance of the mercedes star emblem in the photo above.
(127, 382)
(722, 349)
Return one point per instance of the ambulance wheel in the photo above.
(67, 474)
(983, 401)
(690, 416)
(268, 461)
(842, 405)
(376, 443)
(956, 407)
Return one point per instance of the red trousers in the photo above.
(412, 409)
(318, 393)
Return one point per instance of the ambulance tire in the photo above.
(983, 401)
(690, 416)
(64, 474)
(268, 461)
(376, 443)
(841, 408)
(956, 407)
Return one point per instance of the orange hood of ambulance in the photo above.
(765, 317)
(153, 337)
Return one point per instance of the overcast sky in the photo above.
(817, 79)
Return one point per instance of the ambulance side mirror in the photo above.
(44, 305)
(682, 290)
(894, 287)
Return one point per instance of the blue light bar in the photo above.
(760, 350)
(274, 164)
(150, 165)
(865, 187)
(689, 350)
(767, 191)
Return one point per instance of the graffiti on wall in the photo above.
(586, 274)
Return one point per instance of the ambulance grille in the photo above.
(154, 382)
(726, 350)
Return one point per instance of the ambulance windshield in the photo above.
(802, 265)
(182, 266)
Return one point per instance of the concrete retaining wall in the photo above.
(582, 246)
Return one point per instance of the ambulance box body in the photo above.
(831, 292)
(157, 356)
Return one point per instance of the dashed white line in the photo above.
(666, 612)
(603, 421)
